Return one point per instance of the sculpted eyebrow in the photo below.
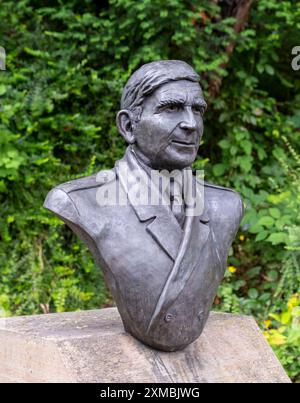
(180, 102)
(171, 101)
(167, 102)
(200, 103)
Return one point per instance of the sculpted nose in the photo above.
(189, 122)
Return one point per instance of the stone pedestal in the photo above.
(92, 346)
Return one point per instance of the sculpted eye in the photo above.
(173, 107)
(199, 109)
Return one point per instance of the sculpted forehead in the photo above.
(183, 90)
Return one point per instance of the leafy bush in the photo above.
(283, 333)
(66, 66)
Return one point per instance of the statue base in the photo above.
(92, 346)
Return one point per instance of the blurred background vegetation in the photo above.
(66, 65)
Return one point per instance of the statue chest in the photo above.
(140, 266)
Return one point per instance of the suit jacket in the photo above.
(164, 299)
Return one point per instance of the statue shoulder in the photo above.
(228, 201)
(59, 200)
(88, 182)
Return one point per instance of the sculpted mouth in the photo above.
(182, 142)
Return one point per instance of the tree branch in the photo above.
(240, 10)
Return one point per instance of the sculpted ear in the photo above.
(125, 126)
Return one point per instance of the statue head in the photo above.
(161, 114)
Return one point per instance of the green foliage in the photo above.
(66, 65)
(263, 289)
(283, 333)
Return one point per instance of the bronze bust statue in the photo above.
(163, 261)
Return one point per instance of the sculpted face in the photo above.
(169, 132)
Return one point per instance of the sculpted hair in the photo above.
(151, 76)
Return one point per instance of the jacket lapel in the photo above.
(166, 231)
(163, 226)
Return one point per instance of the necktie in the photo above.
(177, 201)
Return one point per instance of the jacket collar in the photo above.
(163, 226)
